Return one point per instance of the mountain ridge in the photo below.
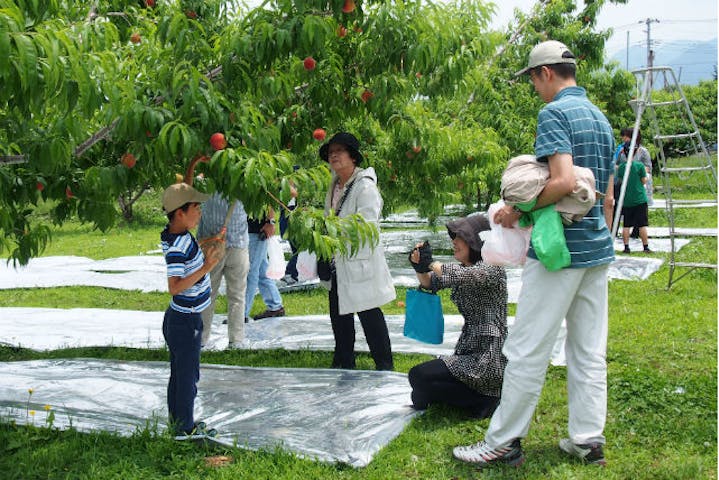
(691, 60)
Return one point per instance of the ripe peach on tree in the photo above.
(128, 160)
(349, 6)
(309, 63)
(218, 141)
(319, 134)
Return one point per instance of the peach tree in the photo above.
(106, 99)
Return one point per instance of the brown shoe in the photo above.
(271, 313)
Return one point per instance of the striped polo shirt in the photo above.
(572, 124)
(183, 257)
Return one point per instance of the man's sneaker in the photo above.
(589, 452)
(483, 455)
(647, 249)
(280, 312)
(626, 249)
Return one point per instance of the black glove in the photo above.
(425, 258)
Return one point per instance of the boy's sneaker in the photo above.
(483, 455)
(589, 452)
(199, 432)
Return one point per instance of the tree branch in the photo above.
(9, 159)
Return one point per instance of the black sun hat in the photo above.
(468, 229)
(346, 139)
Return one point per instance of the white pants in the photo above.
(580, 296)
(234, 267)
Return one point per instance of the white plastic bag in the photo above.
(276, 258)
(504, 246)
(306, 266)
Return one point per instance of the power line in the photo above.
(669, 22)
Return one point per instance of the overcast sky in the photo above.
(678, 20)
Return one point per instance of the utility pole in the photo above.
(627, 49)
(650, 51)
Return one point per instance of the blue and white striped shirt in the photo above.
(183, 257)
(572, 124)
(213, 218)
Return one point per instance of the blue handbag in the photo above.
(423, 318)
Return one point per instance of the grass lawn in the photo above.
(662, 359)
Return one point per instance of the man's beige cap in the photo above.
(550, 52)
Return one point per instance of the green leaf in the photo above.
(27, 61)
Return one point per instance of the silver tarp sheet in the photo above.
(54, 328)
(329, 415)
(147, 273)
(51, 329)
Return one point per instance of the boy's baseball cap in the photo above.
(550, 52)
(179, 194)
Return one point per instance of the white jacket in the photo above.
(363, 280)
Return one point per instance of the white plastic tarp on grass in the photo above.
(52, 329)
(329, 415)
(144, 273)
(654, 232)
(55, 328)
(147, 273)
(655, 244)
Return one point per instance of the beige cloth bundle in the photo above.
(524, 179)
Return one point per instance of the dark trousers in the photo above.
(432, 382)
(182, 332)
(291, 268)
(375, 331)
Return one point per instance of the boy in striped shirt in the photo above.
(189, 284)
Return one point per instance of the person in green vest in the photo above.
(635, 208)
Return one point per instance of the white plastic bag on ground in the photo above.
(504, 246)
(276, 258)
(306, 266)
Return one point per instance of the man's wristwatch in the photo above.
(272, 222)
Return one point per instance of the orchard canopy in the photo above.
(104, 99)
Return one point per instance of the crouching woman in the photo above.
(472, 377)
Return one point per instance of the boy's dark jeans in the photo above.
(182, 332)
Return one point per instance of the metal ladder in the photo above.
(697, 163)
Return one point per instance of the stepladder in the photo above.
(686, 168)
